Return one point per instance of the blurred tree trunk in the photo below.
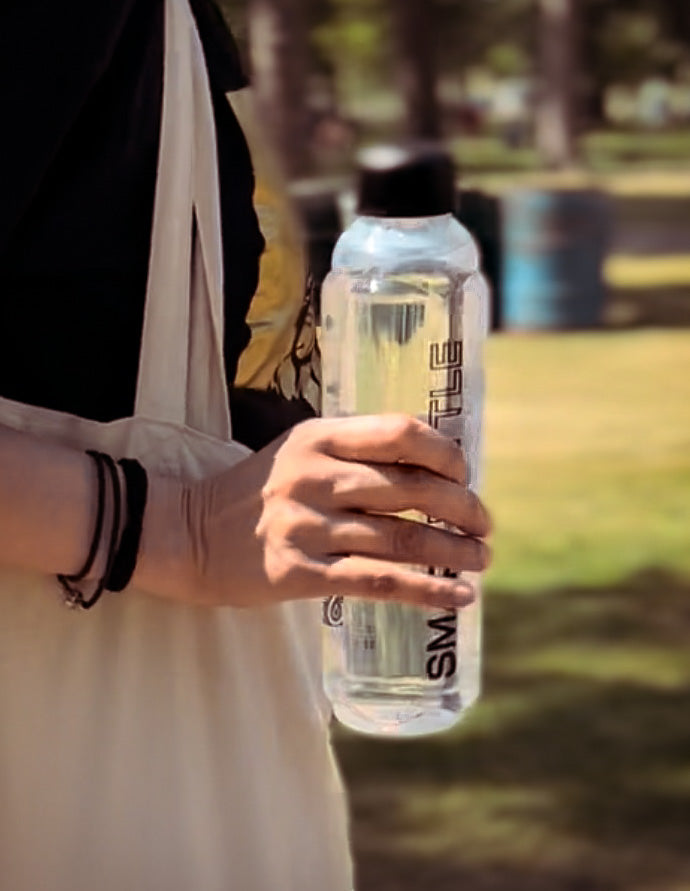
(278, 47)
(556, 112)
(678, 17)
(414, 23)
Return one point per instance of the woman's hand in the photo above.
(309, 516)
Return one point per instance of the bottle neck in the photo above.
(405, 222)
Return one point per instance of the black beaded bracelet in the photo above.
(125, 559)
(114, 531)
(74, 596)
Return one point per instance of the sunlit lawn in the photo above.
(588, 455)
(602, 151)
(574, 770)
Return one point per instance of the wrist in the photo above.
(164, 565)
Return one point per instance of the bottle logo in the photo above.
(332, 615)
(444, 411)
(446, 401)
(442, 661)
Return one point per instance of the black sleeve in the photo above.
(260, 416)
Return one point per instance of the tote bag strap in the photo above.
(181, 370)
(207, 393)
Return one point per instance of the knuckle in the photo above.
(404, 427)
(322, 436)
(309, 430)
(276, 521)
(286, 569)
(296, 528)
(280, 487)
(297, 525)
(299, 480)
(305, 441)
(269, 492)
(335, 574)
(380, 584)
(343, 484)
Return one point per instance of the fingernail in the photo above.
(463, 596)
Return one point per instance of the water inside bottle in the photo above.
(388, 326)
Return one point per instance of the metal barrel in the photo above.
(554, 246)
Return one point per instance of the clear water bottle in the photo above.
(404, 317)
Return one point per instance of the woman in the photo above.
(175, 735)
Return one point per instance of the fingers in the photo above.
(299, 576)
(325, 521)
(405, 541)
(378, 580)
(389, 439)
(392, 489)
(311, 554)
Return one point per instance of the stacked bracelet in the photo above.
(122, 550)
(125, 560)
(73, 594)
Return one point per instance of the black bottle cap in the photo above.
(414, 180)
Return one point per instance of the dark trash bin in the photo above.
(554, 247)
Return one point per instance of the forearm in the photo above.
(48, 499)
(48, 504)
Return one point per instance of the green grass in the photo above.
(609, 149)
(601, 151)
(573, 771)
(588, 455)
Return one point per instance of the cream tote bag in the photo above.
(148, 746)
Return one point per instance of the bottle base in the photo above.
(395, 719)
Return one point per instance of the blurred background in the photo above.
(570, 124)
